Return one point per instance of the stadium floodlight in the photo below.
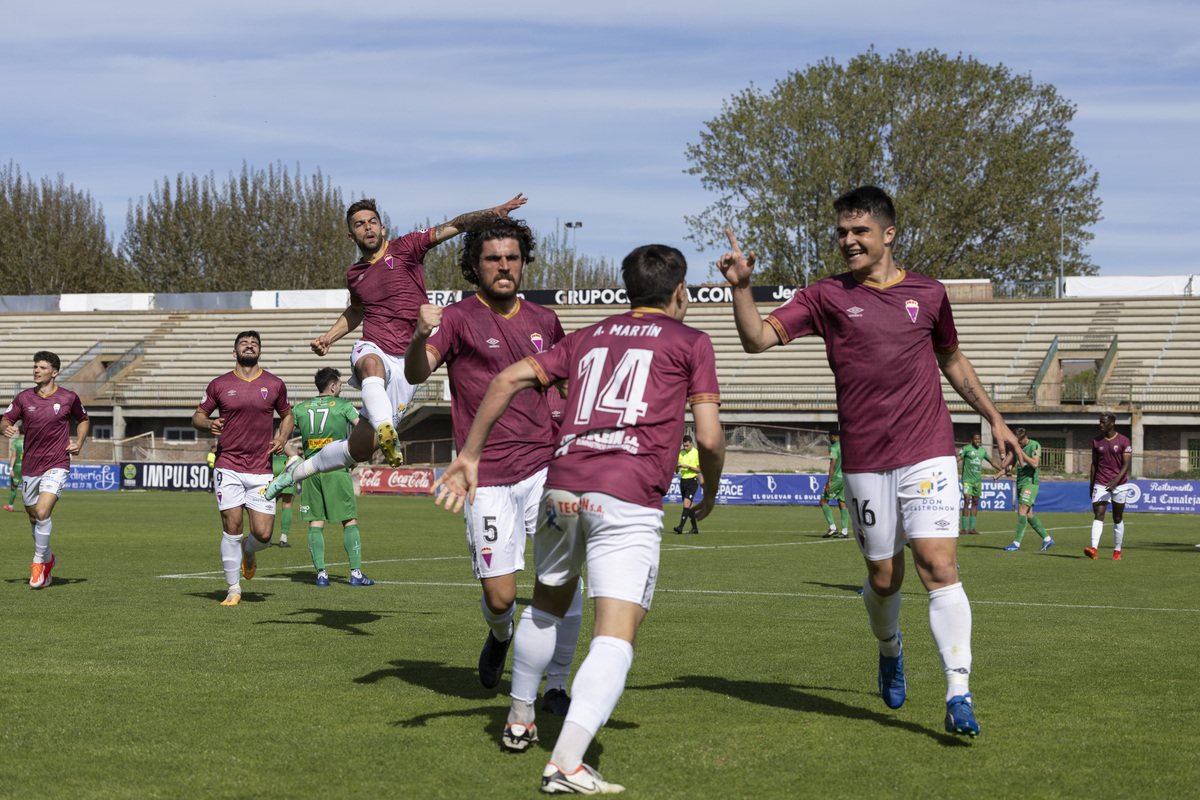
(1058, 211)
(573, 227)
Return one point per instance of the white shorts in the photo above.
(242, 489)
(1122, 494)
(618, 540)
(52, 481)
(499, 521)
(920, 502)
(399, 391)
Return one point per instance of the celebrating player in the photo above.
(329, 496)
(1112, 454)
(477, 338)
(887, 332)
(1027, 490)
(387, 290)
(45, 413)
(834, 490)
(246, 401)
(630, 378)
(688, 467)
(971, 458)
(16, 452)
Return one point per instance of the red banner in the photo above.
(386, 480)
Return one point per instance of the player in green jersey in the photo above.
(834, 490)
(971, 457)
(16, 451)
(329, 496)
(1027, 489)
(287, 496)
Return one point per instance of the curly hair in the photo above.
(499, 228)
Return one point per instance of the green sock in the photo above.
(285, 521)
(846, 519)
(1037, 526)
(353, 546)
(828, 512)
(963, 525)
(316, 546)
(12, 495)
(971, 527)
(1021, 523)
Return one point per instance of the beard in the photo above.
(247, 361)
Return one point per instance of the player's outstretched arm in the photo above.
(419, 363)
(710, 441)
(347, 321)
(958, 370)
(753, 331)
(473, 220)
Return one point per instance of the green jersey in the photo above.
(18, 447)
(972, 462)
(322, 420)
(835, 454)
(1027, 473)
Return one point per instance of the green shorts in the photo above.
(15, 480)
(972, 488)
(834, 491)
(1027, 494)
(328, 497)
(277, 465)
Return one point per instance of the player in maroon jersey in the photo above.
(887, 333)
(477, 338)
(1112, 454)
(246, 401)
(387, 290)
(45, 412)
(631, 378)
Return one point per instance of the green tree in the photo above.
(262, 229)
(975, 157)
(53, 239)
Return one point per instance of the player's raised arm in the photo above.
(753, 331)
(419, 363)
(475, 219)
(961, 374)
(710, 441)
(347, 321)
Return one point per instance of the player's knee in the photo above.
(499, 598)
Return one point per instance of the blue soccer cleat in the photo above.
(322, 578)
(960, 715)
(892, 685)
(358, 579)
(1046, 545)
(1013, 546)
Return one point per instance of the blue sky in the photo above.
(587, 110)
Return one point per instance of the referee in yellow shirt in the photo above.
(689, 481)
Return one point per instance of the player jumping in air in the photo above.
(887, 333)
(631, 377)
(477, 338)
(45, 413)
(387, 290)
(1112, 454)
(246, 401)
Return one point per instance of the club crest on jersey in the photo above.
(264, 392)
(854, 311)
(388, 260)
(487, 555)
(56, 408)
(913, 307)
(536, 338)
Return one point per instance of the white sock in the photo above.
(252, 545)
(1119, 533)
(597, 688)
(376, 405)
(564, 647)
(231, 558)
(333, 456)
(950, 624)
(41, 541)
(501, 624)
(1097, 529)
(883, 613)
(533, 647)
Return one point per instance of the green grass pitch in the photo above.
(754, 675)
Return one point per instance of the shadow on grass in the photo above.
(247, 597)
(347, 621)
(792, 698)
(55, 582)
(445, 679)
(1170, 547)
(841, 587)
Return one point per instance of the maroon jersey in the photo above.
(391, 290)
(881, 342)
(477, 343)
(47, 427)
(1109, 456)
(248, 407)
(630, 378)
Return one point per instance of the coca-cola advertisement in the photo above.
(387, 480)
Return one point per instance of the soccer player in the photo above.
(834, 490)
(329, 496)
(689, 482)
(45, 413)
(476, 339)
(971, 458)
(16, 452)
(887, 333)
(211, 460)
(246, 401)
(387, 290)
(287, 496)
(630, 378)
(1027, 491)
(1112, 454)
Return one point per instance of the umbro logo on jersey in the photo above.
(854, 311)
(231, 393)
(493, 343)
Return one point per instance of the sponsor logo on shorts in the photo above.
(552, 515)
(487, 555)
(913, 307)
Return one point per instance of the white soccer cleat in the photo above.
(518, 737)
(584, 780)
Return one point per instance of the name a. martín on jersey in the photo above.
(630, 330)
(601, 440)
